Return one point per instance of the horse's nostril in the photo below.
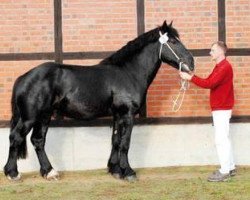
(186, 67)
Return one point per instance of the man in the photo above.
(220, 83)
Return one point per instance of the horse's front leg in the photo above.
(113, 163)
(126, 122)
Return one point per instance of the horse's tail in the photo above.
(16, 122)
(15, 112)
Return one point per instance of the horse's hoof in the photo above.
(17, 178)
(131, 178)
(52, 175)
(116, 176)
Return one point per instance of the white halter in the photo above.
(184, 83)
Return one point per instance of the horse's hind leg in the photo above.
(17, 147)
(38, 139)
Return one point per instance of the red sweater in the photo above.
(220, 83)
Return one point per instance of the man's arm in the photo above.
(212, 81)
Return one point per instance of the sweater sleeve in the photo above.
(214, 79)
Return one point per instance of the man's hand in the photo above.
(186, 76)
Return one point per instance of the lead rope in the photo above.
(184, 83)
(184, 86)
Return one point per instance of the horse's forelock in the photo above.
(174, 32)
(165, 28)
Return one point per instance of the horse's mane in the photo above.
(134, 46)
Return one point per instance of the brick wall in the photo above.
(27, 26)
(98, 25)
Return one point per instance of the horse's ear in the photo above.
(164, 27)
(164, 23)
(171, 23)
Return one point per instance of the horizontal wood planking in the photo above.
(102, 54)
(138, 121)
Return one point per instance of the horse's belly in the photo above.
(81, 110)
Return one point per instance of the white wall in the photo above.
(151, 146)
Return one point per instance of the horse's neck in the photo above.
(146, 64)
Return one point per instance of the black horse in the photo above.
(117, 87)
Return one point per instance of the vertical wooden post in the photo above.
(58, 30)
(140, 7)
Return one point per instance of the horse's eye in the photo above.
(172, 40)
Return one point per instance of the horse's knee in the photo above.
(38, 143)
(125, 144)
(18, 134)
(115, 141)
(15, 139)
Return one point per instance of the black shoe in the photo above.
(232, 172)
(217, 176)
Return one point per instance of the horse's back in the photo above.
(39, 72)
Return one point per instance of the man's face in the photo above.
(216, 52)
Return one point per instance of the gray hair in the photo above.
(222, 45)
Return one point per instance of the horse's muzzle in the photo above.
(186, 68)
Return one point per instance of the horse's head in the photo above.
(172, 51)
